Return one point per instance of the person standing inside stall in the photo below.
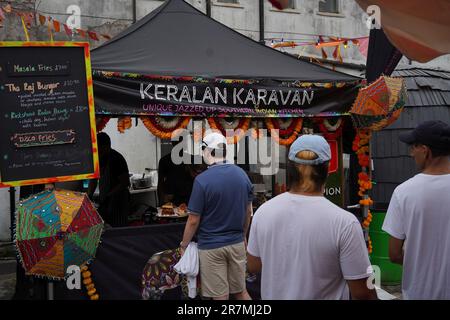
(114, 196)
(175, 181)
(418, 217)
(219, 209)
(305, 246)
(166, 167)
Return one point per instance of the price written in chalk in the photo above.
(69, 83)
(80, 108)
(19, 69)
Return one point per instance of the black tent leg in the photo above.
(12, 206)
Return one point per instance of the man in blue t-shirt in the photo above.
(220, 208)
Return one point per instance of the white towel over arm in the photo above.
(189, 265)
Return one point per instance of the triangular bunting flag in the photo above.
(7, 8)
(56, 25)
(67, 29)
(324, 54)
(93, 35)
(81, 33)
(42, 19)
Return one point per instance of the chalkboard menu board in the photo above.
(47, 119)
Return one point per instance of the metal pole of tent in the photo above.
(12, 206)
(50, 290)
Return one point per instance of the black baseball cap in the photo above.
(434, 133)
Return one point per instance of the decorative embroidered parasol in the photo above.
(54, 230)
(379, 104)
(159, 275)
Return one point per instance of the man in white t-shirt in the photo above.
(305, 246)
(418, 217)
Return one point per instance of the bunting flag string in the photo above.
(49, 29)
(25, 30)
(332, 42)
(52, 24)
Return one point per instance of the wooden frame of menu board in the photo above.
(47, 132)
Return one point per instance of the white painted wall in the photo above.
(137, 145)
(5, 215)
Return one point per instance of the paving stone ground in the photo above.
(8, 281)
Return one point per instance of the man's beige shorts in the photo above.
(222, 270)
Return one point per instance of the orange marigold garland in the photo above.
(164, 129)
(199, 132)
(239, 129)
(255, 131)
(361, 148)
(101, 121)
(330, 131)
(290, 134)
(369, 248)
(124, 123)
(89, 284)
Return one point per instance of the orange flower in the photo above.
(124, 123)
(239, 131)
(89, 284)
(148, 123)
(91, 292)
(366, 202)
(284, 141)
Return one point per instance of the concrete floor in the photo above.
(8, 281)
(7, 278)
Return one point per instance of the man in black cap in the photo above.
(418, 217)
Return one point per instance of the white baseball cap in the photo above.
(214, 140)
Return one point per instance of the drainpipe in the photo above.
(208, 8)
(134, 11)
(261, 21)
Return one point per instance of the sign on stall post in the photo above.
(47, 117)
(334, 189)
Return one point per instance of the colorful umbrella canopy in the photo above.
(379, 104)
(56, 229)
(159, 275)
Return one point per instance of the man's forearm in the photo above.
(189, 231)
(247, 219)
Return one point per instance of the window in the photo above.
(329, 6)
(228, 1)
(291, 4)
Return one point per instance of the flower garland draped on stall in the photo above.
(283, 130)
(288, 130)
(361, 147)
(238, 125)
(165, 127)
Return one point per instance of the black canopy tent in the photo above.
(178, 61)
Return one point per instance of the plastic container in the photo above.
(391, 273)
